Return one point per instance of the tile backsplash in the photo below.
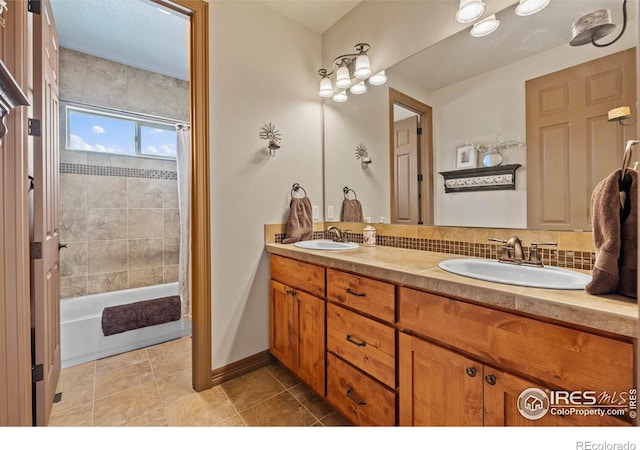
(575, 250)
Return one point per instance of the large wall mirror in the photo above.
(475, 88)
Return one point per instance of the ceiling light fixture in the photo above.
(528, 7)
(470, 10)
(351, 70)
(485, 26)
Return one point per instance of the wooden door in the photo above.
(571, 146)
(309, 313)
(437, 387)
(406, 163)
(501, 397)
(45, 275)
(281, 333)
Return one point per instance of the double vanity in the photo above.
(388, 337)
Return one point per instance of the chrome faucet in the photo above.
(339, 235)
(511, 250)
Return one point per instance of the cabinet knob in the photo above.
(491, 379)
(471, 371)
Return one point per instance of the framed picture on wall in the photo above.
(466, 157)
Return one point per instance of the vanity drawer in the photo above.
(372, 297)
(297, 274)
(358, 397)
(365, 343)
(562, 357)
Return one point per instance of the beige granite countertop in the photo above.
(414, 268)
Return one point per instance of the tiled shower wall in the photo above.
(118, 214)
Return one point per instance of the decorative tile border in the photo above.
(569, 259)
(110, 171)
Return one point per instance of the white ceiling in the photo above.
(137, 33)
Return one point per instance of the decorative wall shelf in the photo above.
(11, 96)
(481, 179)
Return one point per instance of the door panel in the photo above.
(571, 145)
(45, 275)
(406, 167)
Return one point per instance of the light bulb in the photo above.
(363, 68)
(326, 88)
(378, 79)
(358, 88)
(340, 97)
(343, 79)
(485, 26)
(470, 10)
(528, 7)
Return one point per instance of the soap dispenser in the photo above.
(369, 234)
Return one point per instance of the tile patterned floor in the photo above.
(152, 387)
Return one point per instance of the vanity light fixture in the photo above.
(596, 25)
(620, 114)
(528, 7)
(485, 26)
(470, 10)
(351, 70)
(358, 88)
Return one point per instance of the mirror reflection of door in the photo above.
(411, 162)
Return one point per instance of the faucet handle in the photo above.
(502, 241)
(534, 256)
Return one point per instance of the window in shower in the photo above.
(101, 130)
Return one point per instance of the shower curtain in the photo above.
(183, 167)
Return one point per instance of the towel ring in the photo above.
(295, 188)
(346, 191)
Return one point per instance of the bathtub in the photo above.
(81, 336)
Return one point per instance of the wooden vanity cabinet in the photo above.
(297, 319)
(361, 346)
(459, 363)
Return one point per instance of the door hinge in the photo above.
(34, 6)
(35, 250)
(420, 177)
(419, 131)
(34, 127)
(37, 373)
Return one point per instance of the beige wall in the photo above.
(121, 226)
(263, 69)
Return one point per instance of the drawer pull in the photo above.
(353, 341)
(471, 371)
(357, 294)
(353, 399)
(491, 379)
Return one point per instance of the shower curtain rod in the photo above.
(168, 121)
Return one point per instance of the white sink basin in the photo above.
(519, 275)
(325, 244)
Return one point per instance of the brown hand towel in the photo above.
(351, 210)
(615, 229)
(300, 222)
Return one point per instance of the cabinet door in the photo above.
(437, 387)
(309, 325)
(281, 332)
(501, 396)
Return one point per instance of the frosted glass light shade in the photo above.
(485, 26)
(470, 10)
(358, 88)
(343, 79)
(528, 7)
(326, 88)
(363, 68)
(340, 97)
(378, 78)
